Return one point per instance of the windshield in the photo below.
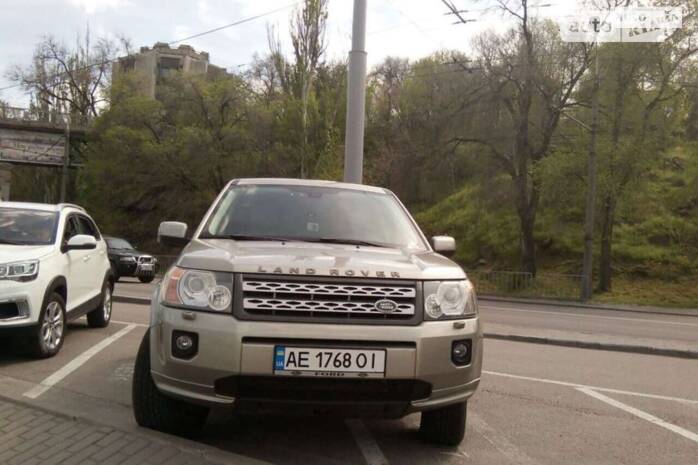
(116, 243)
(316, 214)
(27, 227)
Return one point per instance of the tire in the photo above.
(114, 272)
(444, 426)
(154, 410)
(46, 339)
(100, 316)
(146, 279)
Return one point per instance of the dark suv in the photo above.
(127, 261)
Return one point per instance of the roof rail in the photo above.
(70, 205)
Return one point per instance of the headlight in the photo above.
(199, 290)
(449, 299)
(20, 271)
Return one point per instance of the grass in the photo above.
(655, 240)
(678, 293)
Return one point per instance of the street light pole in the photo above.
(66, 160)
(588, 260)
(356, 98)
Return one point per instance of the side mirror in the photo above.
(80, 242)
(173, 234)
(445, 245)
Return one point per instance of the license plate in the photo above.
(147, 267)
(332, 363)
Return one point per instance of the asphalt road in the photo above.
(657, 330)
(537, 404)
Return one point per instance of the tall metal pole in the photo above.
(588, 261)
(356, 98)
(66, 160)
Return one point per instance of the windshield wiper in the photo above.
(338, 240)
(247, 237)
(326, 240)
(10, 242)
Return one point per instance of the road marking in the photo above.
(368, 446)
(76, 363)
(574, 315)
(140, 325)
(641, 414)
(499, 441)
(595, 388)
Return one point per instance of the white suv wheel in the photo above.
(52, 326)
(106, 304)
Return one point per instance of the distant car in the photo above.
(53, 269)
(127, 261)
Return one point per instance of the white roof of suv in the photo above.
(40, 206)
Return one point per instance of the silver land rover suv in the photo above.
(309, 295)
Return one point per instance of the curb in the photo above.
(691, 312)
(627, 348)
(131, 299)
(206, 452)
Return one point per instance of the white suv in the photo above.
(53, 268)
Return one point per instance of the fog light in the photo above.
(460, 352)
(184, 344)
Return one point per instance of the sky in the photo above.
(405, 28)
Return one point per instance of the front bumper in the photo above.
(21, 302)
(236, 353)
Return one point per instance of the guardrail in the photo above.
(522, 284)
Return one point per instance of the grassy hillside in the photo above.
(655, 239)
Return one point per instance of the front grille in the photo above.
(313, 299)
(145, 259)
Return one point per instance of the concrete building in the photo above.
(160, 61)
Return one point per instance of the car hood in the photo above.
(15, 253)
(306, 258)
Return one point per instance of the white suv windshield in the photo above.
(27, 227)
(314, 214)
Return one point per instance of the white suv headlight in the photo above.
(449, 300)
(20, 271)
(198, 290)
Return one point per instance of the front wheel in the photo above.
(145, 279)
(153, 409)
(47, 337)
(100, 316)
(444, 426)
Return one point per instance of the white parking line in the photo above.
(368, 446)
(499, 441)
(586, 315)
(641, 414)
(595, 388)
(76, 363)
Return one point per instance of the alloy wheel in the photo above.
(52, 326)
(106, 303)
